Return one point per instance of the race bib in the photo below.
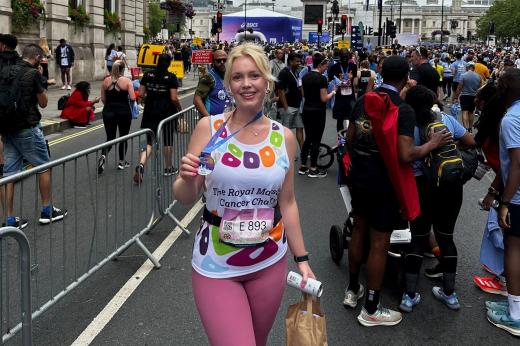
(248, 227)
(345, 91)
(299, 83)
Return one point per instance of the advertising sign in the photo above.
(280, 28)
(148, 55)
(197, 41)
(204, 56)
(313, 37)
(344, 44)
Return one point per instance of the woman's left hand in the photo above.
(306, 272)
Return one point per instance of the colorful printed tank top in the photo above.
(245, 176)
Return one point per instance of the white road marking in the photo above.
(104, 317)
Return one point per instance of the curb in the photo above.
(57, 124)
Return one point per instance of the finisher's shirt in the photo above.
(510, 139)
(368, 169)
(158, 101)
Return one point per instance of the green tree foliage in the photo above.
(156, 18)
(506, 16)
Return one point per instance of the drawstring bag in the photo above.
(305, 323)
(134, 108)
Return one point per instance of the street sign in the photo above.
(344, 44)
(197, 41)
(203, 56)
(148, 55)
(313, 37)
(355, 38)
(177, 67)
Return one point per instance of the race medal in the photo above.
(247, 227)
(206, 164)
(299, 83)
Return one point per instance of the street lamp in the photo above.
(273, 5)
(442, 21)
(335, 13)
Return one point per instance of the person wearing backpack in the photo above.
(21, 134)
(440, 196)
(375, 203)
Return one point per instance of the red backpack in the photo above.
(383, 116)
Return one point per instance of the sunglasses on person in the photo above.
(221, 61)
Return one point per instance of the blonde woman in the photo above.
(116, 90)
(243, 162)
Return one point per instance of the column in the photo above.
(420, 26)
(57, 26)
(413, 25)
(97, 37)
(401, 25)
(128, 33)
(5, 15)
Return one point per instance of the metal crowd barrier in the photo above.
(24, 278)
(107, 213)
(173, 136)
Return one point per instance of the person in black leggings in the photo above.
(314, 90)
(116, 92)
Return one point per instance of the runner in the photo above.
(238, 295)
(343, 74)
(466, 91)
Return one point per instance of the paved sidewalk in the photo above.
(51, 121)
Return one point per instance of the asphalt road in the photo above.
(161, 310)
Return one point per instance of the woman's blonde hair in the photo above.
(45, 46)
(118, 69)
(258, 55)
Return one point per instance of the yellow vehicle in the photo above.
(148, 55)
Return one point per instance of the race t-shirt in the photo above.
(510, 139)
(426, 75)
(470, 83)
(158, 102)
(245, 178)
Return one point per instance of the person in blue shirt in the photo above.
(457, 68)
(506, 315)
(440, 206)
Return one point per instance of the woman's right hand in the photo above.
(487, 202)
(189, 167)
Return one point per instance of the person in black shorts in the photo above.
(159, 89)
(374, 201)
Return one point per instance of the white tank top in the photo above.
(245, 177)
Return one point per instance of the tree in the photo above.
(506, 17)
(156, 18)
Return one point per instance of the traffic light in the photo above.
(337, 29)
(391, 29)
(320, 26)
(219, 21)
(343, 24)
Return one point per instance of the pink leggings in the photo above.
(240, 311)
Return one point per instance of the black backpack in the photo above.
(11, 102)
(443, 165)
(62, 101)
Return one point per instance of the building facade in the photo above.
(89, 42)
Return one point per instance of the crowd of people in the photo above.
(408, 144)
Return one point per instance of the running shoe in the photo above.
(55, 215)
(500, 305)
(408, 303)
(69, 87)
(303, 170)
(490, 284)
(170, 171)
(101, 164)
(502, 320)
(317, 173)
(382, 317)
(123, 165)
(434, 273)
(139, 174)
(64, 87)
(351, 298)
(451, 301)
(78, 126)
(18, 223)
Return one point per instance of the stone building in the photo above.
(89, 42)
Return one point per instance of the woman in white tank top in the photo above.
(251, 216)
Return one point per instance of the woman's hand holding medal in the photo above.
(189, 167)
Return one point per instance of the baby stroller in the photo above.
(339, 237)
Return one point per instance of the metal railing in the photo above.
(173, 132)
(107, 213)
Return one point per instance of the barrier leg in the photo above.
(177, 222)
(148, 254)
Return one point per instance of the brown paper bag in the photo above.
(305, 324)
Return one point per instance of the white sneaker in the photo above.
(64, 87)
(351, 298)
(382, 317)
(69, 87)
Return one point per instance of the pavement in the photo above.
(51, 121)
